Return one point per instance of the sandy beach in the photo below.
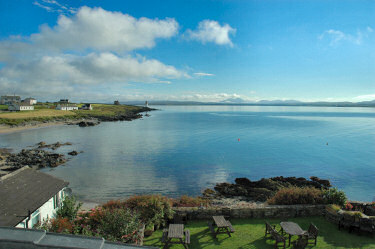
(4, 129)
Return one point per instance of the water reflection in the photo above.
(185, 149)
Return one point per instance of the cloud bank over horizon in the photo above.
(93, 47)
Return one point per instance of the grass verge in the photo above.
(250, 234)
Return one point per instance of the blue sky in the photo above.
(188, 50)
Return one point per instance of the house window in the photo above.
(35, 218)
(55, 202)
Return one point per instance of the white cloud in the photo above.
(204, 74)
(54, 6)
(367, 97)
(337, 36)
(213, 97)
(55, 72)
(212, 31)
(85, 52)
(98, 29)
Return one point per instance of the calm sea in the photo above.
(185, 149)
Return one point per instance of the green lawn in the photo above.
(45, 112)
(250, 234)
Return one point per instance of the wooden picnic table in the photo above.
(291, 228)
(175, 235)
(223, 226)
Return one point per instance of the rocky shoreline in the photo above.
(37, 157)
(86, 120)
(246, 190)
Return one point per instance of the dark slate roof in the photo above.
(25, 189)
(31, 238)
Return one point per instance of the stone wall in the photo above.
(274, 211)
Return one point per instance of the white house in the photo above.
(66, 107)
(20, 107)
(28, 196)
(29, 101)
(9, 99)
(87, 107)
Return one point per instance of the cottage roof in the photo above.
(68, 105)
(32, 238)
(23, 190)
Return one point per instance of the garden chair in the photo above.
(278, 238)
(312, 234)
(269, 228)
(301, 242)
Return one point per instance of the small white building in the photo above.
(29, 101)
(20, 107)
(9, 99)
(28, 196)
(66, 107)
(87, 107)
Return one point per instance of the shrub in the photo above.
(297, 195)
(112, 204)
(187, 201)
(348, 206)
(334, 196)
(56, 225)
(112, 224)
(153, 209)
(333, 208)
(69, 208)
(119, 225)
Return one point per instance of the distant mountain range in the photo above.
(239, 101)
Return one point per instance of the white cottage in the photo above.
(29, 196)
(87, 107)
(66, 107)
(9, 99)
(20, 107)
(30, 101)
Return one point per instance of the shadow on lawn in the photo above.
(204, 237)
(250, 234)
(330, 236)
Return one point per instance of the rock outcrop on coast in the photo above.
(88, 123)
(263, 189)
(36, 157)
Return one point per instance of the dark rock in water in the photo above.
(87, 123)
(243, 181)
(35, 158)
(325, 183)
(264, 188)
(54, 146)
(73, 153)
(41, 144)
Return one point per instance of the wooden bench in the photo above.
(187, 236)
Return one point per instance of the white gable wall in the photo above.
(47, 210)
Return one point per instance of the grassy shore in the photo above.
(45, 112)
(249, 233)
